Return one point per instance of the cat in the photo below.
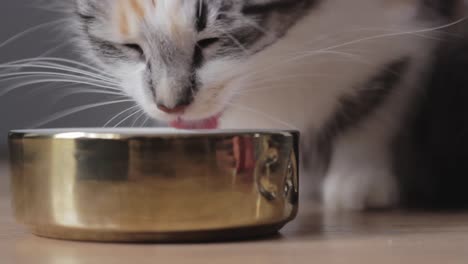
(347, 74)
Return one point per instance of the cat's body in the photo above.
(345, 73)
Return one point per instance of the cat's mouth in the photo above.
(207, 123)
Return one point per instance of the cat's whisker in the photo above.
(333, 49)
(56, 48)
(397, 34)
(128, 117)
(30, 30)
(119, 114)
(145, 121)
(68, 81)
(54, 69)
(6, 72)
(50, 51)
(265, 81)
(274, 119)
(55, 61)
(354, 57)
(18, 75)
(75, 110)
(66, 94)
(48, 87)
(61, 7)
(330, 37)
(43, 78)
(16, 67)
(138, 118)
(23, 84)
(301, 57)
(250, 22)
(235, 40)
(63, 66)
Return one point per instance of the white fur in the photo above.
(360, 175)
(296, 83)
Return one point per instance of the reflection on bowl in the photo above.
(154, 184)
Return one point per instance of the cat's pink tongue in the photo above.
(208, 123)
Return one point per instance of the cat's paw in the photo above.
(359, 190)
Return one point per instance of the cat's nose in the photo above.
(178, 109)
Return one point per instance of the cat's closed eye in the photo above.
(205, 43)
(135, 48)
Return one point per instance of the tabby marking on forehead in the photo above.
(123, 19)
(130, 12)
(137, 8)
(176, 25)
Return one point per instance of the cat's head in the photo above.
(179, 59)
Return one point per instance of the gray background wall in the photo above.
(25, 107)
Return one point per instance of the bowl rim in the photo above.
(128, 133)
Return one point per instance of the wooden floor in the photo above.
(360, 238)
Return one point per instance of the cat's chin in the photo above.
(207, 123)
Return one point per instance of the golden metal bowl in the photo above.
(154, 184)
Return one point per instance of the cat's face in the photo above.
(180, 59)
